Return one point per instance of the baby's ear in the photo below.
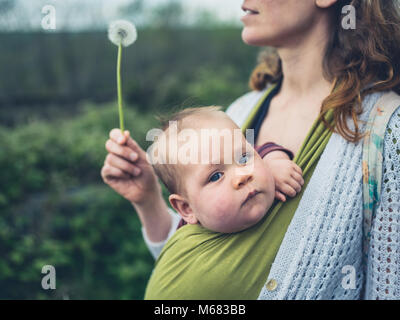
(181, 206)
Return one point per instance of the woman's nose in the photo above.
(241, 180)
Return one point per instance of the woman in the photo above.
(311, 95)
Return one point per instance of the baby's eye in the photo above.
(215, 177)
(244, 158)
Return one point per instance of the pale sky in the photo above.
(89, 14)
(226, 10)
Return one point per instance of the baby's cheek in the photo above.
(270, 181)
(266, 180)
(224, 205)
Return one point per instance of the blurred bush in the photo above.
(56, 210)
(162, 69)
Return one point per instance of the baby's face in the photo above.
(229, 196)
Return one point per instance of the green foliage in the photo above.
(168, 15)
(56, 210)
(159, 71)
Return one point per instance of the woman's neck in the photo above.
(302, 64)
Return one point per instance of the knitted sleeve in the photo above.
(383, 268)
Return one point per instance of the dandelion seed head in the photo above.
(122, 32)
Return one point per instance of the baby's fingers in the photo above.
(298, 177)
(288, 190)
(280, 196)
(297, 169)
(295, 185)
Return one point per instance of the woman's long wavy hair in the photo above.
(367, 57)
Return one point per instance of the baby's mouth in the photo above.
(251, 195)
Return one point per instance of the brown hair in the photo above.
(168, 173)
(368, 55)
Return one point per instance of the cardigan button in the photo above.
(271, 285)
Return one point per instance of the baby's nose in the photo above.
(241, 180)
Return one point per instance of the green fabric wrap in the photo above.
(197, 263)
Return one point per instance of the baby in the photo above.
(220, 194)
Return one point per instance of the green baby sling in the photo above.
(199, 264)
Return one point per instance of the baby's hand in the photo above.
(288, 176)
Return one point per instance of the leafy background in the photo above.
(57, 106)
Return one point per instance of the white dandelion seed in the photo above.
(122, 32)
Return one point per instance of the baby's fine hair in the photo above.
(170, 174)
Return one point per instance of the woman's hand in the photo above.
(127, 171)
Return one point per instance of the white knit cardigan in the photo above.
(321, 254)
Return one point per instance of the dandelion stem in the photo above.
(121, 114)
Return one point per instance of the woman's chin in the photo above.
(252, 39)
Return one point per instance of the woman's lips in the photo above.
(249, 15)
(249, 10)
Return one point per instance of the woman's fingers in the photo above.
(121, 151)
(126, 166)
(126, 140)
(131, 143)
(108, 172)
(118, 137)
